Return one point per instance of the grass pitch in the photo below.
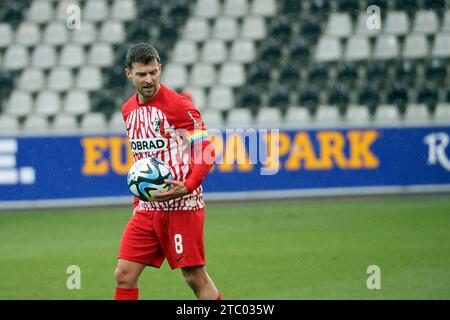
(295, 250)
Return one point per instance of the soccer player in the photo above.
(171, 227)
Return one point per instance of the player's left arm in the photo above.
(202, 155)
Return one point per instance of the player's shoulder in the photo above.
(129, 105)
(181, 101)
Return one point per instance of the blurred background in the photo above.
(360, 93)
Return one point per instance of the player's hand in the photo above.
(178, 190)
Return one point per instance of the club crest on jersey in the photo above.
(196, 122)
(148, 145)
(156, 125)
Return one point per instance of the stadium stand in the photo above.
(265, 63)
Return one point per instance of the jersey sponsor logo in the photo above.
(146, 145)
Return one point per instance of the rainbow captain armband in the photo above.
(198, 136)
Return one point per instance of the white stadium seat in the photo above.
(20, 103)
(397, 23)
(426, 21)
(31, 80)
(28, 34)
(112, 32)
(60, 79)
(56, 33)
(96, 11)
(16, 58)
(101, 55)
(93, 121)
(268, 118)
(48, 103)
(85, 35)
(197, 29)
(36, 123)
(9, 124)
(442, 114)
(339, 25)
(44, 56)
(76, 102)
(239, 119)
(386, 47)
(225, 28)
(236, 8)
(328, 49)
(441, 46)
(415, 46)
(40, 11)
(220, 98)
(297, 116)
(207, 8)
(212, 119)
(72, 56)
(253, 28)
(64, 122)
(214, 51)
(185, 52)
(89, 78)
(243, 51)
(327, 115)
(174, 76)
(357, 115)
(358, 48)
(123, 10)
(265, 8)
(386, 114)
(232, 74)
(202, 75)
(6, 35)
(416, 113)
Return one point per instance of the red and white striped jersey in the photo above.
(153, 129)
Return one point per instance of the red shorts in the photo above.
(150, 237)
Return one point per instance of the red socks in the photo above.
(126, 294)
(219, 297)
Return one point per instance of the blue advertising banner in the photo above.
(95, 167)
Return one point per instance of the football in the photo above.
(146, 178)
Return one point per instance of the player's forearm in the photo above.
(202, 157)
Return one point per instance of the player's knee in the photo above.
(124, 278)
(194, 279)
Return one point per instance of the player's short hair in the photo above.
(141, 52)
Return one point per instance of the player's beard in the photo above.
(149, 92)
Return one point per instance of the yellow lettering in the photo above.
(360, 154)
(277, 146)
(118, 146)
(331, 147)
(94, 161)
(235, 152)
(302, 149)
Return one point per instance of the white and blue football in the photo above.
(146, 178)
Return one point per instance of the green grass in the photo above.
(295, 250)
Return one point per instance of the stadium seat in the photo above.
(236, 8)
(86, 35)
(290, 75)
(44, 57)
(225, 28)
(198, 97)
(361, 27)
(318, 73)
(446, 22)
(212, 119)
(214, 51)
(253, 28)
(338, 96)
(104, 101)
(386, 114)
(138, 31)
(406, 72)
(174, 76)
(60, 79)
(426, 21)
(28, 34)
(279, 98)
(55, 33)
(220, 98)
(357, 49)
(436, 5)
(339, 25)
(309, 97)
(20, 103)
(112, 32)
(6, 35)
(415, 47)
(436, 70)
(250, 98)
(231, 74)
(116, 122)
(428, 94)
(40, 11)
(207, 8)
(327, 115)
(93, 121)
(197, 29)
(347, 73)
(397, 23)
(31, 80)
(60, 14)
(369, 96)
(291, 7)
(239, 119)
(416, 113)
(268, 118)
(9, 124)
(398, 95)
(441, 45)
(96, 11)
(259, 74)
(72, 56)
(48, 103)
(406, 5)
(265, 8)
(168, 34)
(297, 117)
(329, 49)
(89, 78)
(310, 28)
(203, 75)
(270, 52)
(6, 84)
(185, 52)
(386, 47)
(298, 50)
(123, 10)
(35, 123)
(64, 123)
(15, 58)
(243, 51)
(376, 71)
(357, 115)
(319, 8)
(101, 55)
(442, 114)
(76, 102)
(281, 29)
